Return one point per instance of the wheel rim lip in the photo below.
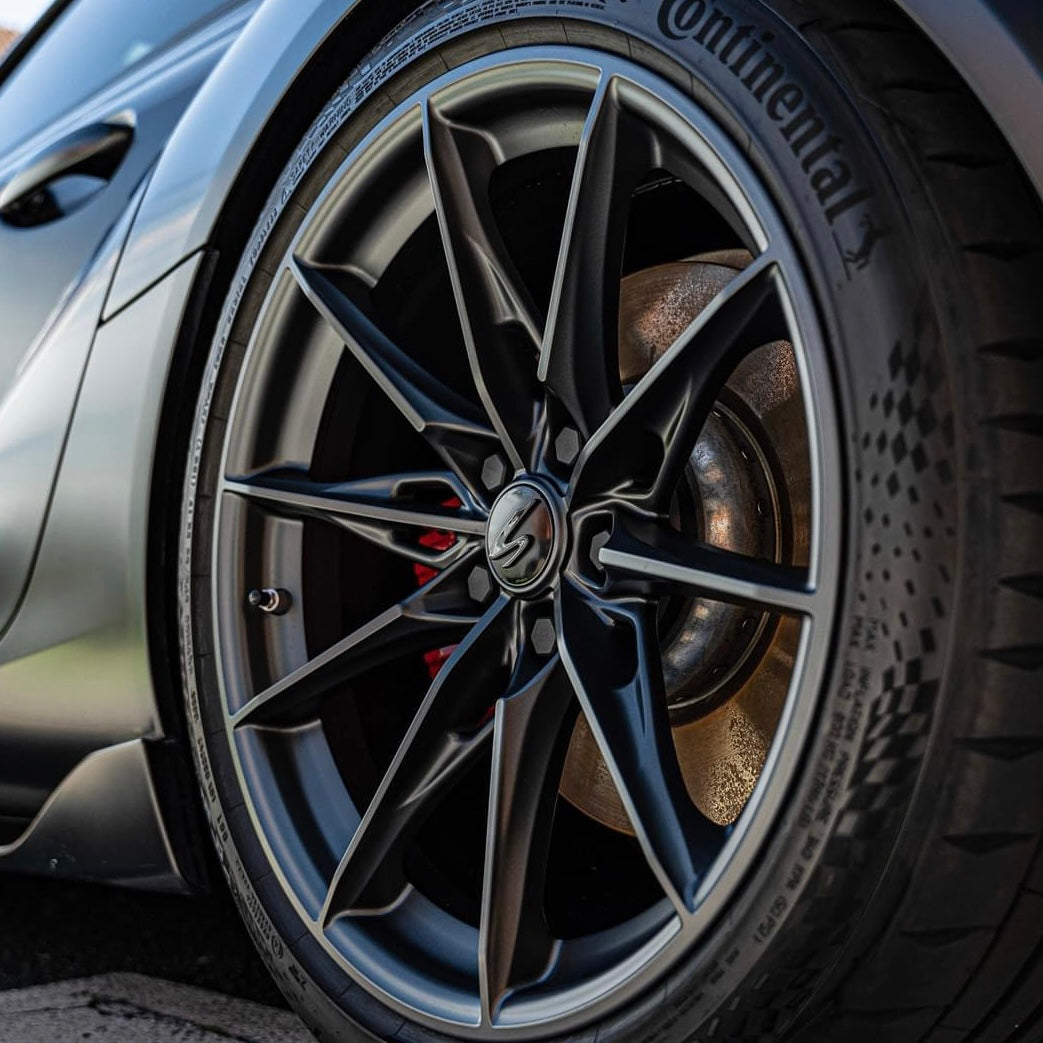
(722, 157)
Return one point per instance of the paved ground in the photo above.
(130, 1008)
(85, 962)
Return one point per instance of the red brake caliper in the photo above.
(435, 540)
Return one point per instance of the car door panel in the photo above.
(55, 277)
(34, 418)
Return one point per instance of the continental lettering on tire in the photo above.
(745, 50)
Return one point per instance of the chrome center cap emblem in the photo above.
(523, 538)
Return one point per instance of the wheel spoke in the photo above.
(529, 746)
(578, 359)
(611, 652)
(376, 509)
(452, 425)
(445, 737)
(640, 452)
(499, 321)
(438, 613)
(661, 560)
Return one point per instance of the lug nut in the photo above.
(272, 600)
(543, 637)
(494, 470)
(566, 445)
(479, 584)
(597, 542)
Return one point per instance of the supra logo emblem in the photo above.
(509, 545)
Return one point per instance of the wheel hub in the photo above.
(525, 538)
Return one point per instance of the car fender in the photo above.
(201, 165)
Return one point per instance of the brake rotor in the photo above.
(726, 668)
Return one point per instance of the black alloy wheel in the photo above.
(563, 556)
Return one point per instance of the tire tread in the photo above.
(994, 220)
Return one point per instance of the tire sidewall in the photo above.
(867, 265)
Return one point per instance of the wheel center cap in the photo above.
(523, 539)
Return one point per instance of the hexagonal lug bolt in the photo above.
(479, 584)
(543, 637)
(566, 445)
(273, 601)
(598, 541)
(494, 471)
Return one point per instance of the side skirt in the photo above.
(104, 822)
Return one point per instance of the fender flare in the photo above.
(202, 163)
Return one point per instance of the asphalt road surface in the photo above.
(86, 962)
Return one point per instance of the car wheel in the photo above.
(610, 549)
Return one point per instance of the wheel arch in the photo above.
(997, 49)
(230, 146)
(249, 115)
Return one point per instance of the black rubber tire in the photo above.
(901, 896)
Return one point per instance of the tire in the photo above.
(891, 885)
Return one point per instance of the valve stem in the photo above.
(273, 600)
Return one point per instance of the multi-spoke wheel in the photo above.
(516, 536)
(513, 511)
